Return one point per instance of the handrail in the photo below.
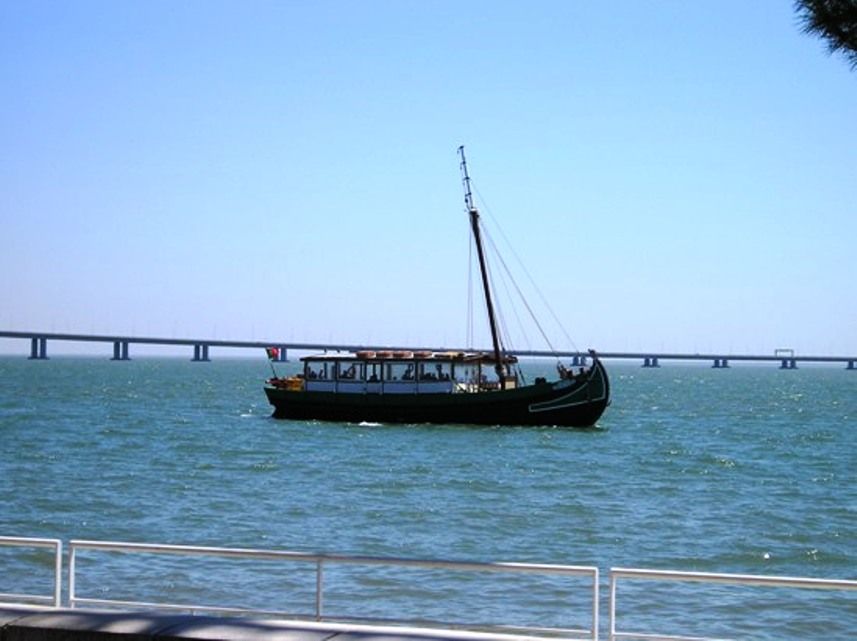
(28, 542)
(708, 577)
(320, 561)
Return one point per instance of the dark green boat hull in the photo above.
(567, 403)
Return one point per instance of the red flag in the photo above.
(273, 353)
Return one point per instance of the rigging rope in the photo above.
(521, 294)
(526, 272)
(521, 327)
(505, 337)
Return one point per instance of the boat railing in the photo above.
(650, 599)
(320, 564)
(18, 598)
(412, 386)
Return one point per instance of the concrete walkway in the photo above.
(50, 624)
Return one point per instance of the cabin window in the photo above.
(318, 370)
(373, 372)
(351, 371)
(435, 371)
(489, 373)
(400, 372)
(467, 373)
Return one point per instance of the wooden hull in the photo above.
(566, 403)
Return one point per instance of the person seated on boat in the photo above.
(562, 370)
(409, 374)
(373, 378)
(581, 374)
(350, 372)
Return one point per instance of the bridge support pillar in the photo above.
(651, 361)
(850, 365)
(282, 356)
(575, 360)
(38, 349)
(720, 363)
(788, 363)
(120, 351)
(583, 361)
(200, 353)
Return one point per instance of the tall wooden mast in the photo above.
(500, 365)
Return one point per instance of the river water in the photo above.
(746, 470)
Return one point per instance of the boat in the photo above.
(387, 385)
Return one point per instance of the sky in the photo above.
(675, 176)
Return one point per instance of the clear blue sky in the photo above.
(674, 175)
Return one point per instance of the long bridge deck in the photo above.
(785, 358)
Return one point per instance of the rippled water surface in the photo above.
(747, 470)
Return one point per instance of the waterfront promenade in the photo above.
(201, 350)
(46, 624)
(35, 617)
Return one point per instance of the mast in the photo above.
(499, 366)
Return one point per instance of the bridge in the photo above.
(785, 358)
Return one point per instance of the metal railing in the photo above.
(28, 599)
(705, 577)
(320, 562)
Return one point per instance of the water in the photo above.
(746, 470)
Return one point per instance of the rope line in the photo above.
(523, 267)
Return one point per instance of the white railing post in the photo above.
(595, 581)
(612, 606)
(58, 575)
(319, 588)
(71, 569)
